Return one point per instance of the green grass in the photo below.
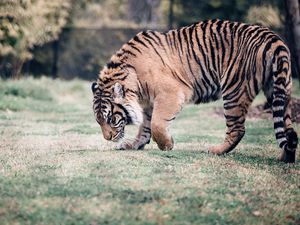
(55, 167)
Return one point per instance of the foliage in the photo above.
(36, 94)
(266, 15)
(25, 24)
(28, 88)
(82, 52)
(116, 13)
(132, 13)
(194, 10)
(144, 12)
(95, 13)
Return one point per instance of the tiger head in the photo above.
(113, 109)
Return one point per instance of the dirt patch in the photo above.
(263, 111)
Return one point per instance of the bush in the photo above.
(26, 88)
(25, 24)
(25, 94)
(43, 94)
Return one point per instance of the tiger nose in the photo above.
(108, 135)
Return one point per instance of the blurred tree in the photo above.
(143, 11)
(116, 13)
(25, 24)
(293, 32)
(99, 13)
(196, 10)
(266, 15)
(171, 14)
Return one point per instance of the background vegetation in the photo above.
(25, 25)
(67, 38)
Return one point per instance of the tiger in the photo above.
(150, 79)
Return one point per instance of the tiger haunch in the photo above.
(152, 76)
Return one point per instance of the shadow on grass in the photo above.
(78, 151)
(196, 138)
(254, 159)
(136, 197)
(178, 154)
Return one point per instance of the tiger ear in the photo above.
(118, 93)
(94, 87)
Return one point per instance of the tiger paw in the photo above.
(166, 146)
(288, 156)
(135, 145)
(217, 150)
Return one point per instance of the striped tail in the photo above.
(285, 136)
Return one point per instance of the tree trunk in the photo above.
(293, 26)
(17, 65)
(171, 14)
(143, 11)
(55, 49)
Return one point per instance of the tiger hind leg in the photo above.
(280, 102)
(235, 113)
(289, 155)
(281, 106)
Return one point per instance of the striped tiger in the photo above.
(153, 75)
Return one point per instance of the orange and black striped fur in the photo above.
(151, 77)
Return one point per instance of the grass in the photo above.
(55, 167)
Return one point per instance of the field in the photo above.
(56, 168)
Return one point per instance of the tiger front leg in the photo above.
(161, 136)
(165, 110)
(144, 134)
